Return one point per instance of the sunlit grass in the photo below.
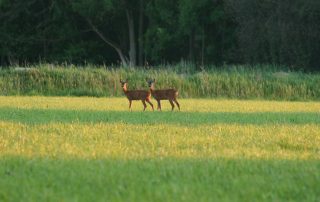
(139, 141)
(187, 105)
(104, 128)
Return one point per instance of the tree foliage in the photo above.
(157, 32)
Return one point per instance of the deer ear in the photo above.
(154, 80)
(120, 81)
(126, 80)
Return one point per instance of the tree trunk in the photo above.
(191, 46)
(141, 10)
(202, 49)
(132, 41)
(117, 48)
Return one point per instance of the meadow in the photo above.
(95, 149)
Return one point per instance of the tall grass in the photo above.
(227, 82)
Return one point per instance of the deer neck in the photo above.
(125, 90)
(151, 89)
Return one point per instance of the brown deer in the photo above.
(164, 94)
(142, 95)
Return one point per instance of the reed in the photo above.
(237, 82)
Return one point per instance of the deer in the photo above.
(163, 94)
(142, 95)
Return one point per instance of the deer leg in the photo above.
(150, 104)
(159, 105)
(177, 103)
(130, 102)
(172, 105)
(144, 105)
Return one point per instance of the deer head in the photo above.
(151, 83)
(124, 84)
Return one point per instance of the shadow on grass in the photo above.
(42, 179)
(42, 116)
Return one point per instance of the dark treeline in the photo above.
(154, 32)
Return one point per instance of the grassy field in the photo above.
(94, 149)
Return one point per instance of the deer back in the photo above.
(138, 94)
(165, 94)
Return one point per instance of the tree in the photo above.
(163, 43)
(283, 32)
(110, 19)
(133, 32)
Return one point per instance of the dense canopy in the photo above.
(155, 32)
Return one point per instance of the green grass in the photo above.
(228, 82)
(158, 180)
(42, 116)
(95, 149)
